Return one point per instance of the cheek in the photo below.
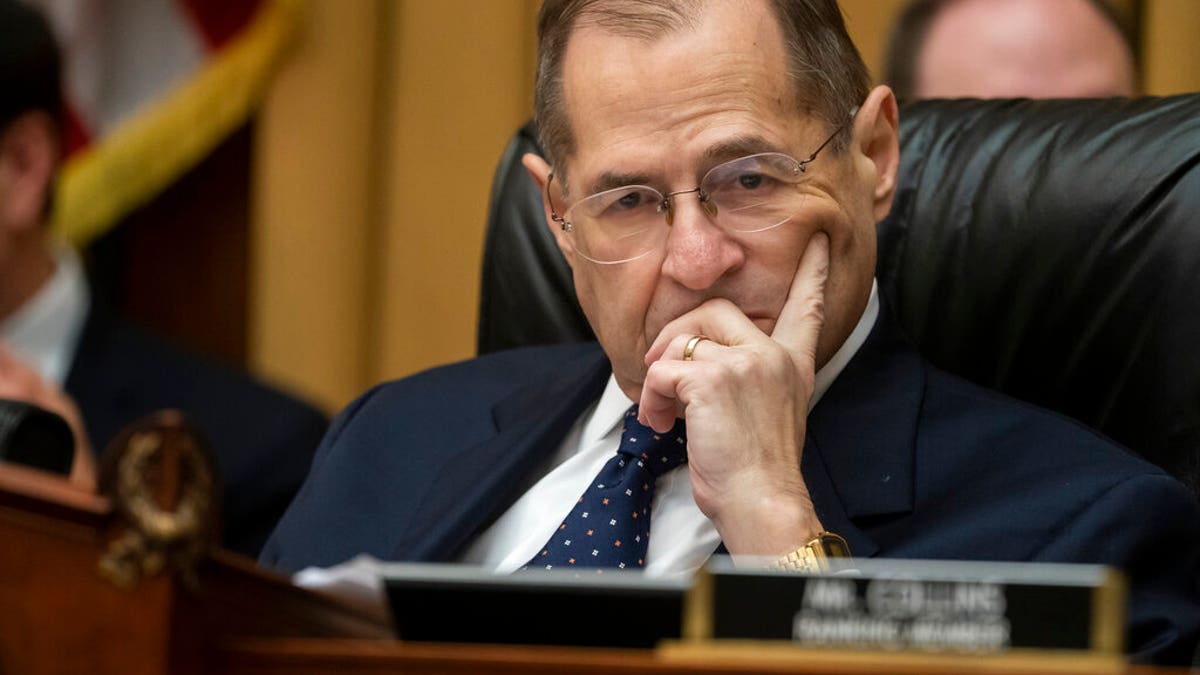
(852, 268)
(615, 299)
(851, 255)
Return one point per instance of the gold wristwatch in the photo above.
(813, 556)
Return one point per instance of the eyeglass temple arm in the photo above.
(843, 125)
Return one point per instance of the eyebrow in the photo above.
(740, 146)
(612, 179)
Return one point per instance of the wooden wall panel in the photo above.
(461, 74)
(375, 155)
(868, 22)
(1171, 46)
(315, 207)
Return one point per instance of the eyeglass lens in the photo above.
(751, 194)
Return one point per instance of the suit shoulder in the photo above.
(120, 373)
(460, 396)
(262, 438)
(492, 375)
(1021, 441)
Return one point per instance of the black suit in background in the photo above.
(263, 441)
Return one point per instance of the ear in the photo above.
(877, 143)
(539, 171)
(28, 162)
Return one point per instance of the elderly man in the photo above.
(718, 171)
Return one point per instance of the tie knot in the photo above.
(655, 452)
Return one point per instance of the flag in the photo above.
(151, 87)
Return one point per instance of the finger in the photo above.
(663, 400)
(83, 468)
(18, 381)
(677, 348)
(718, 319)
(55, 399)
(803, 314)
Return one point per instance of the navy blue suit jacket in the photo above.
(902, 459)
(263, 441)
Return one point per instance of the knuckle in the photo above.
(742, 366)
(653, 371)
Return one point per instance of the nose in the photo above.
(698, 252)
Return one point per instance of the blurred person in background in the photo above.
(1009, 49)
(64, 352)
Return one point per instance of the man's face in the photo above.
(658, 110)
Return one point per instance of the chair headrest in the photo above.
(1051, 250)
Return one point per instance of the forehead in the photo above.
(633, 100)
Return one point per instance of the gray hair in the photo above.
(828, 75)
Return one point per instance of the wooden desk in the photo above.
(61, 615)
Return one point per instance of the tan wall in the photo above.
(461, 77)
(1170, 53)
(314, 208)
(375, 155)
(868, 22)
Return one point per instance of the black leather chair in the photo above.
(1048, 249)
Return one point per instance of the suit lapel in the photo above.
(860, 448)
(476, 485)
(858, 458)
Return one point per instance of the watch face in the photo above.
(834, 545)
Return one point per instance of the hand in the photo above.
(20, 382)
(745, 398)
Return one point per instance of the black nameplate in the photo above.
(915, 605)
(457, 603)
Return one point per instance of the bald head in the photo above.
(1022, 48)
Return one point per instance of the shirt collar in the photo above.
(44, 331)
(610, 409)
(837, 363)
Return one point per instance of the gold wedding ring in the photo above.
(690, 347)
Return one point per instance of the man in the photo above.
(1009, 49)
(717, 203)
(59, 349)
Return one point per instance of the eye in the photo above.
(750, 181)
(630, 200)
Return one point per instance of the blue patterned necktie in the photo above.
(610, 524)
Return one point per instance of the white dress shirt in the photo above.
(682, 537)
(45, 330)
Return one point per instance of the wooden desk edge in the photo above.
(319, 657)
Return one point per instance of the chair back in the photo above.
(1047, 249)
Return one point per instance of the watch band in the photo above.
(813, 556)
